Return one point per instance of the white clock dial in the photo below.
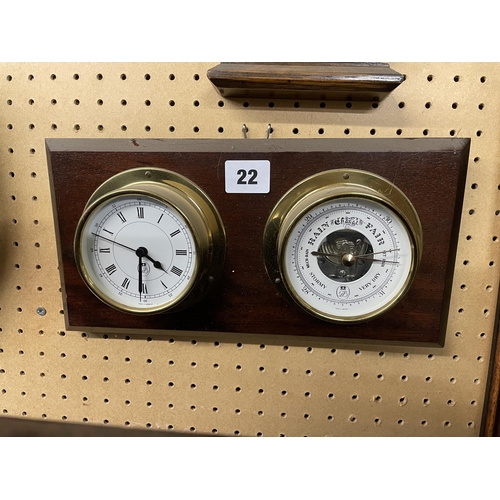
(138, 251)
(149, 241)
(348, 257)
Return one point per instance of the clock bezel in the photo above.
(196, 209)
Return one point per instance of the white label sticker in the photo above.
(248, 176)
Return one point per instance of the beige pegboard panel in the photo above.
(237, 385)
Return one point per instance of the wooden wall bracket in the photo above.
(322, 81)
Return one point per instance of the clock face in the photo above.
(348, 257)
(138, 253)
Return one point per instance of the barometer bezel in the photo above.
(321, 188)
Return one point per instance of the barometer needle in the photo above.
(326, 254)
(383, 260)
(376, 253)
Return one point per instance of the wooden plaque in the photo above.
(431, 172)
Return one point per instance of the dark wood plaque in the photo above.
(431, 172)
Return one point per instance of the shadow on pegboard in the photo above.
(16, 427)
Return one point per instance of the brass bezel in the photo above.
(321, 188)
(199, 214)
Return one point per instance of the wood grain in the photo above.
(490, 426)
(431, 172)
(324, 81)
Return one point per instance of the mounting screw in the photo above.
(41, 311)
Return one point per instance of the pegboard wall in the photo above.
(237, 385)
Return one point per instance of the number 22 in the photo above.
(242, 176)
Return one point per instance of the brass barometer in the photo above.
(343, 245)
(149, 241)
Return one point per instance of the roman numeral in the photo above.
(140, 212)
(104, 250)
(144, 288)
(175, 233)
(126, 283)
(176, 270)
(111, 269)
(122, 217)
(158, 221)
(181, 252)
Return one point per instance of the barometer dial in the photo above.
(343, 251)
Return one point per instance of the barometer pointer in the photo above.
(325, 254)
(386, 261)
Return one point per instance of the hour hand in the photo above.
(156, 263)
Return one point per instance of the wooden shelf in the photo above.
(322, 81)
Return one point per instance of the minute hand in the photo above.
(156, 263)
(114, 242)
